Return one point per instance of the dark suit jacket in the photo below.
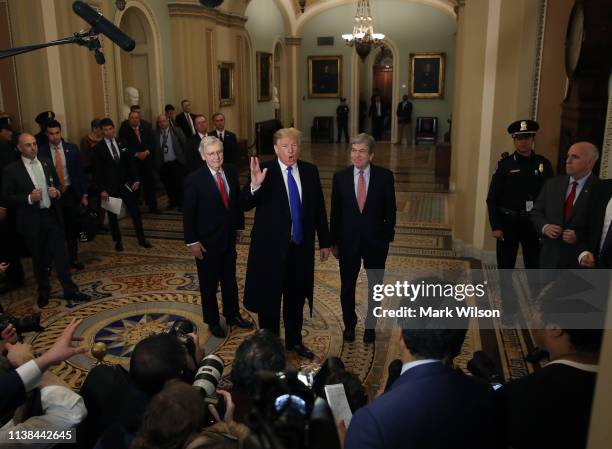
(147, 142)
(205, 218)
(74, 165)
(13, 391)
(8, 154)
(404, 112)
(230, 146)
(376, 225)
(271, 233)
(193, 159)
(560, 416)
(182, 122)
(109, 175)
(384, 110)
(178, 142)
(17, 185)
(597, 212)
(428, 407)
(548, 208)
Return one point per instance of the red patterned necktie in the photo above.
(569, 202)
(361, 191)
(222, 191)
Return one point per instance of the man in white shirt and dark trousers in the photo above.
(230, 142)
(33, 188)
(66, 159)
(171, 141)
(116, 174)
(213, 222)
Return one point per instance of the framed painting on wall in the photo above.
(264, 76)
(427, 75)
(226, 83)
(325, 76)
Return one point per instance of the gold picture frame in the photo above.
(264, 76)
(226, 83)
(427, 75)
(325, 76)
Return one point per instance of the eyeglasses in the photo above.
(214, 153)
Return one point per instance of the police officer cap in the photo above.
(44, 116)
(523, 127)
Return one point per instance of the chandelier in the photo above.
(363, 36)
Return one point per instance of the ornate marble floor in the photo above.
(139, 291)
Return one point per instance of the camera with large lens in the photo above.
(181, 329)
(207, 379)
(30, 323)
(287, 414)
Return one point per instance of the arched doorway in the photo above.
(382, 84)
(280, 84)
(141, 67)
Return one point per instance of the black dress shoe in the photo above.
(302, 351)
(119, 247)
(238, 321)
(145, 244)
(369, 336)
(42, 301)
(349, 334)
(77, 265)
(217, 330)
(537, 355)
(77, 297)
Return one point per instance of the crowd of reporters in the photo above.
(173, 395)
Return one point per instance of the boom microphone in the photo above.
(100, 24)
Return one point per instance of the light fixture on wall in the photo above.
(120, 4)
(363, 37)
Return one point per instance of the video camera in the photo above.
(288, 415)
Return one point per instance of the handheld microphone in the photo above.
(100, 24)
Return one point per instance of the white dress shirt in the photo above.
(109, 143)
(63, 410)
(296, 175)
(415, 363)
(31, 166)
(366, 175)
(606, 223)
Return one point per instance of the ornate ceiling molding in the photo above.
(194, 10)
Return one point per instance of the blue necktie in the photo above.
(296, 207)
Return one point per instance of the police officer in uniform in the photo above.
(514, 188)
(342, 112)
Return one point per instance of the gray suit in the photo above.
(549, 209)
(171, 173)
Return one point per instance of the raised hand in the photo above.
(257, 175)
